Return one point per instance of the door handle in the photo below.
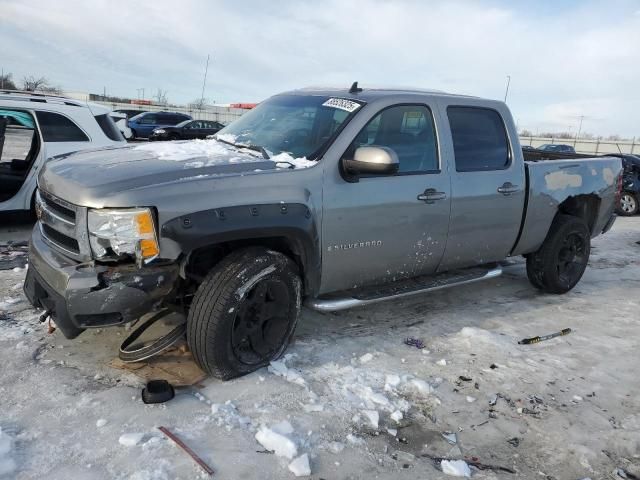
(430, 195)
(508, 188)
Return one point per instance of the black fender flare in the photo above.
(292, 221)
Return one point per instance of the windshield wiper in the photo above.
(255, 148)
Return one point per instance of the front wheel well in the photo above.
(201, 260)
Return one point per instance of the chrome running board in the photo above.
(404, 288)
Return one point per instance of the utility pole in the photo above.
(2, 80)
(206, 69)
(580, 127)
(140, 89)
(506, 92)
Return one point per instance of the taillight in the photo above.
(619, 187)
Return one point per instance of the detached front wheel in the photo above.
(244, 313)
(562, 259)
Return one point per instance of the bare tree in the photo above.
(199, 103)
(31, 83)
(6, 82)
(161, 97)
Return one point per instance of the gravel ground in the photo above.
(567, 408)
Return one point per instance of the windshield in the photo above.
(182, 124)
(300, 125)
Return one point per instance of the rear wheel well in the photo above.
(200, 261)
(585, 207)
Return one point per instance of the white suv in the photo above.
(35, 127)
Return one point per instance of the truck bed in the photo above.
(552, 183)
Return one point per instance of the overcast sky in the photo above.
(566, 59)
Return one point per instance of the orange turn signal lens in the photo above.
(148, 248)
(144, 223)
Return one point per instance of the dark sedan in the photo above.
(557, 147)
(629, 202)
(187, 130)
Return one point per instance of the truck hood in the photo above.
(108, 170)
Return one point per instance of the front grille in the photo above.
(65, 212)
(67, 243)
(63, 225)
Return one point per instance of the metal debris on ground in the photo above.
(13, 255)
(414, 342)
(515, 441)
(190, 452)
(529, 341)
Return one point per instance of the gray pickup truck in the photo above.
(332, 198)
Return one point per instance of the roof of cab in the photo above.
(368, 94)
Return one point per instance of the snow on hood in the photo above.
(210, 152)
(210, 149)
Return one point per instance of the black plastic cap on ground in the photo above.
(157, 391)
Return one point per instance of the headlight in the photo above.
(160, 130)
(118, 232)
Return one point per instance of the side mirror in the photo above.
(372, 161)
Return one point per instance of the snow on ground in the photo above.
(350, 399)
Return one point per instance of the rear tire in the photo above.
(627, 205)
(562, 259)
(244, 313)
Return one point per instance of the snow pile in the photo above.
(300, 466)
(7, 464)
(131, 439)
(276, 439)
(280, 369)
(284, 160)
(372, 416)
(421, 386)
(227, 414)
(455, 468)
(215, 153)
(367, 357)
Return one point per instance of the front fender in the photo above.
(291, 221)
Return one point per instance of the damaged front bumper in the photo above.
(86, 295)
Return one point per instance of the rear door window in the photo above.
(480, 140)
(148, 120)
(58, 128)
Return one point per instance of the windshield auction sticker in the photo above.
(342, 104)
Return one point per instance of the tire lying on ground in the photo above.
(244, 313)
(562, 259)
